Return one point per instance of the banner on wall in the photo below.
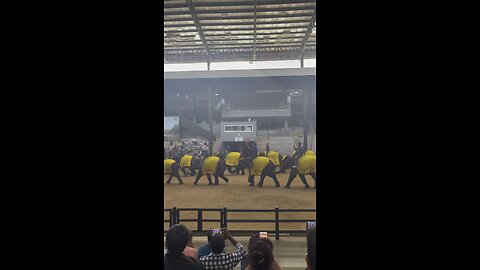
(171, 128)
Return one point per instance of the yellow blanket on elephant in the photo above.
(186, 161)
(310, 152)
(210, 164)
(259, 163)
(274, 157)
(307, 164)
(167, 166)
(232, 158)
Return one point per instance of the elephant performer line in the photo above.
(262, 166)
(171, 167)
(307, 165)
(212, 165)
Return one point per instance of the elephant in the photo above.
(171, 167)
(285, 163)
(212, 165)
(274, 156)
(262, 166)
(191, 163)
(232, 162)
(307, 165)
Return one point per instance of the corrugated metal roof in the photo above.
(238, 30)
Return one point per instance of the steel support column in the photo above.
(305, 122)
(210, 119)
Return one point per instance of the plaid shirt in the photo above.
(223, 261)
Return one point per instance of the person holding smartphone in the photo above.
(207, 249)
(218, 259)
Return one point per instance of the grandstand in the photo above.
(229, 106)
(274, 99)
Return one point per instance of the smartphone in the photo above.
(263, 235)
(215, 231)
(311, 224)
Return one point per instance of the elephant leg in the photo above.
(192, 171)
(274, 177)
(222, 175)
(302, 177)
(293, 174)
(184, 171)
(209, 179)
(177, 175)
(251, 180)
(216, 179)
(314, 176)
(262, 178)
(199, 174)
(243, 172)
(169, 179)
(179, 180)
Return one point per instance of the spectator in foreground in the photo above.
(246, 260)
(311, 257)
(206, 249)
(218, 259)
(260, 256)
(190, 249)
(177, 239)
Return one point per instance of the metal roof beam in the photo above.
(239, 10)
(245, 3)
(237, 23)
(239, 29)
(309, 32)
(259, 16)
(255, 30)
(199, 29)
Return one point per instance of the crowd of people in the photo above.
(182, 254)
(200, 150)
(193, 148)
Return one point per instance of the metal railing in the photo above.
(175, 218)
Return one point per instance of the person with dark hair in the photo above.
(311, 257)
(260, 256)
(218, 259)
(206, 249)
(246, 260)
(177, 240)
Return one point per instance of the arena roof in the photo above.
(238, 30)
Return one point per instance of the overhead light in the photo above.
(268, 91)
(197, 36)
(164, 34)
(216, 94)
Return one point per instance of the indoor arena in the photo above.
(240, 132)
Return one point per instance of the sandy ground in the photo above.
(237, 194)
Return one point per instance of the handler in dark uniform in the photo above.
(298, 152)
(250, 152)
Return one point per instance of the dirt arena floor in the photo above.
(237, 194)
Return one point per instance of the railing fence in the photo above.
(175, 218)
